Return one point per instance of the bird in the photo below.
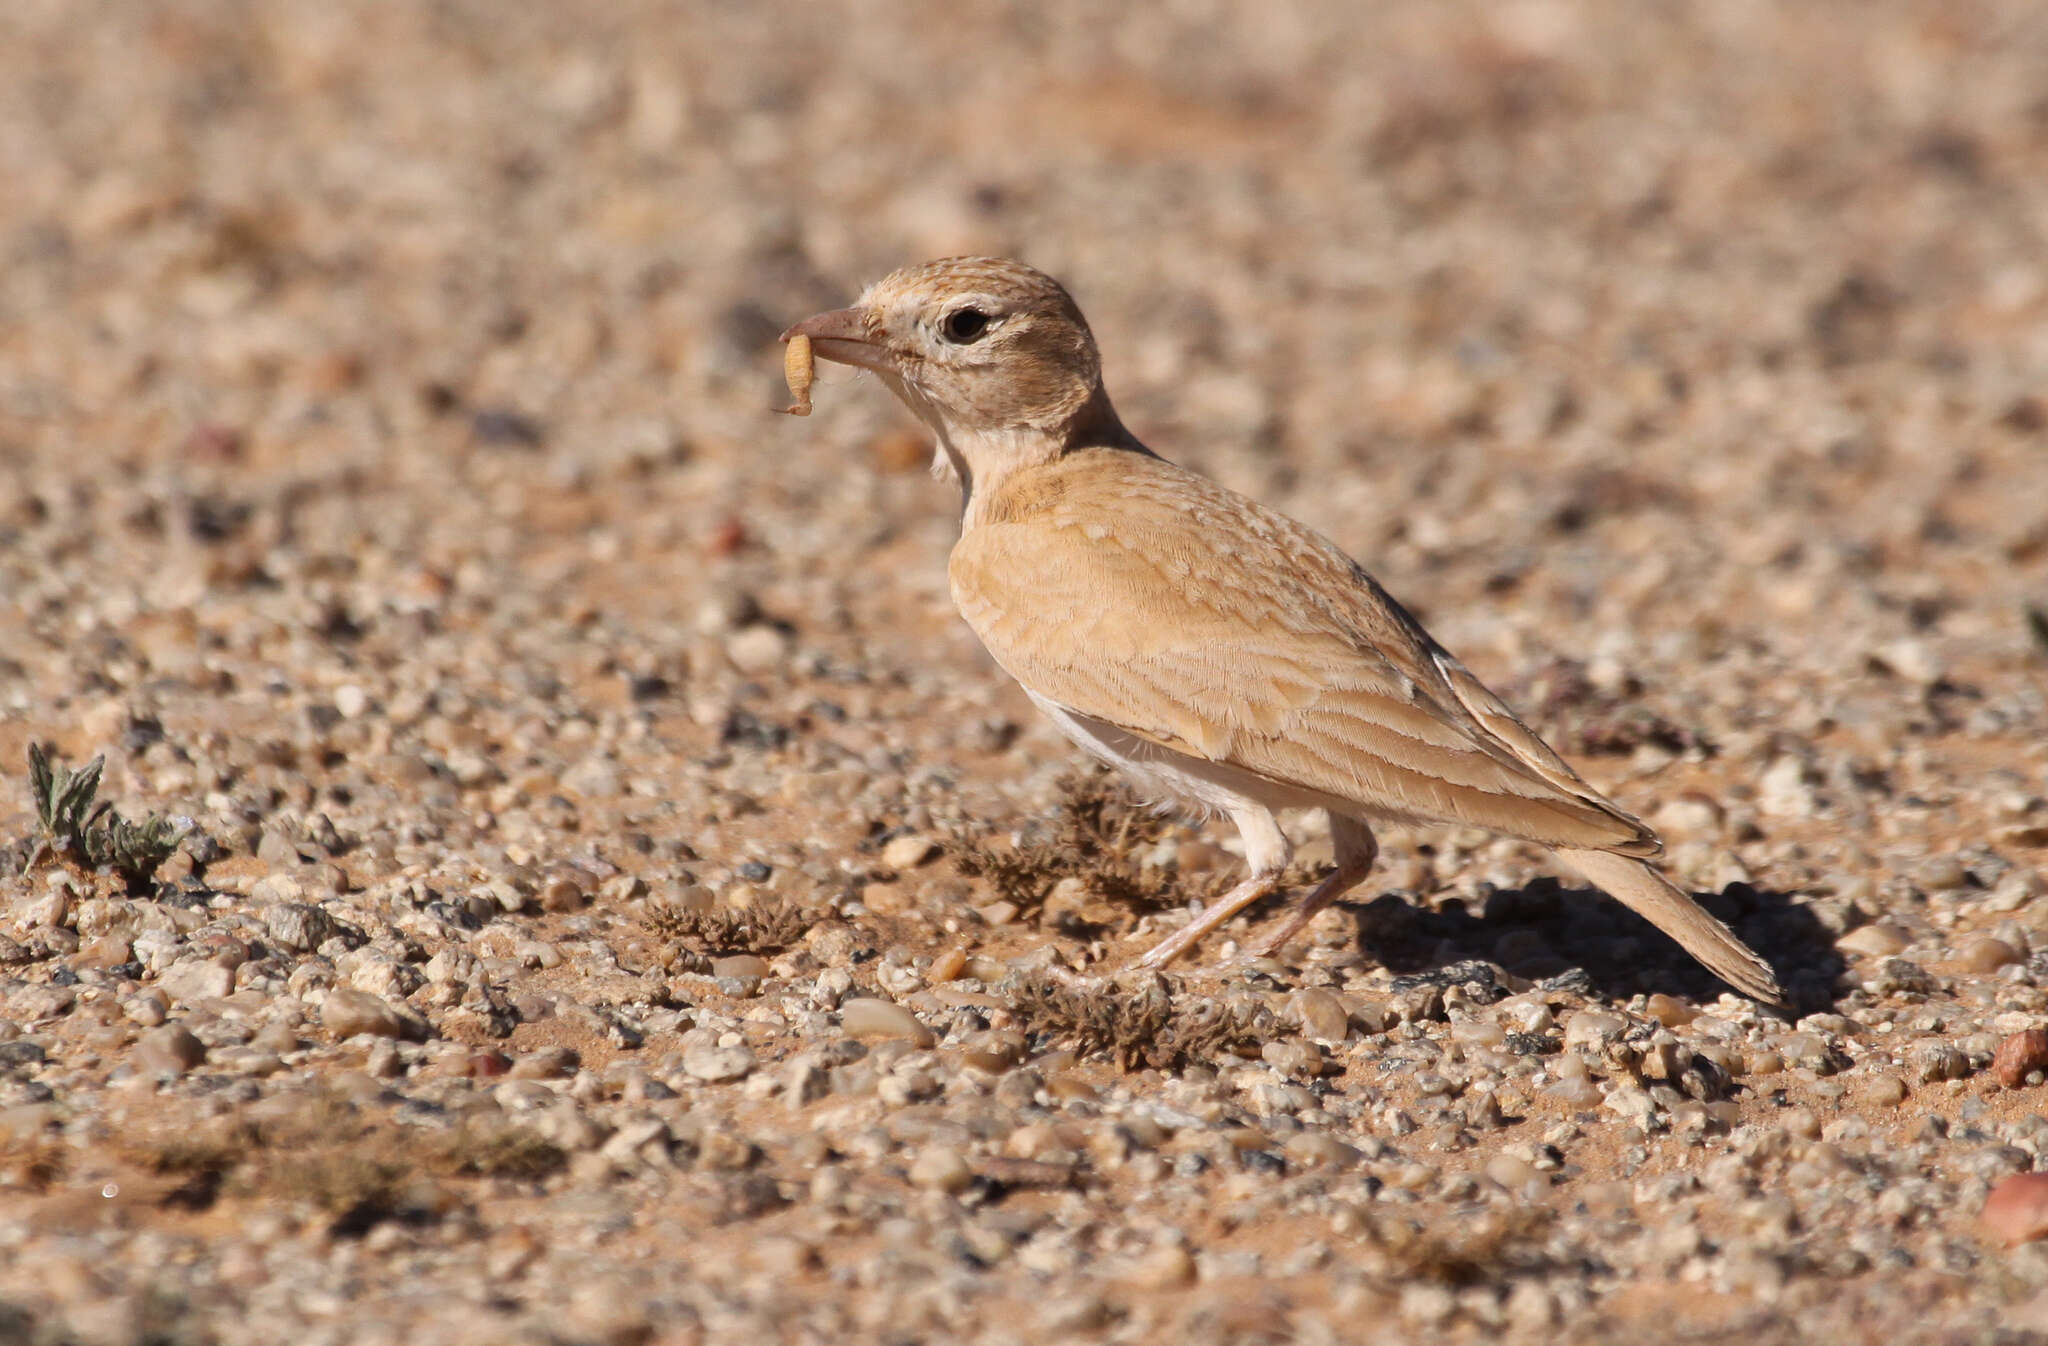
(1226, 658)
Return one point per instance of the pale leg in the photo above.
(1266, 851)
(1356, 850)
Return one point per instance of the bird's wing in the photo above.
(1158, 601)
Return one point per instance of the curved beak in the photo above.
(842, 335)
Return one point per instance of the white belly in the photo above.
(1167, 776)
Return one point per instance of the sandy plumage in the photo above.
(1222, 654)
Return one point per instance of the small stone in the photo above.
(1783, 791)
(191, 979)
(564, 893)
(276, 851)
(2017, 1210)
(169, 1050)
(1986, 955)
(718, 1065)
(1321, 1014)
(1669, 1012)
(740, 965)
(1631, 1104)
(948, 966)
(867, 1017)
(299, 927)
(1591, 1028)
(2020, 1055)
(1516, 1176)
(720, 1151)
(940, 1168)
(351, 701)
(1884, 1091)
(757, 648)
(1806, 1051)
(1941, 873)
(1165, 1266)
(1315, 1149)
(548, 1063)
(148, 1008)
(1938, 1061)
(347, 1012)
(1878, 941)
(1575, 1092)
(908, 852)
(107, 951)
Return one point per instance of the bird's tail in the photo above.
(1645, 891)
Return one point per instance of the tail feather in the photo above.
(1645, 891)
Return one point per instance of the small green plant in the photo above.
(63, 796)
(94, 834)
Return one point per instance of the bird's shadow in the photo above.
(1545, 929)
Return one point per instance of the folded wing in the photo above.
(1160, 602)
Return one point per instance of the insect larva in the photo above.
(796, 370)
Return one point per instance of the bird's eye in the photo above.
(963, 325)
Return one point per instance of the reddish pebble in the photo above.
(209, 442)
(726, 538)
(484, 1065)
(2020, 1055)
(2017, 1209)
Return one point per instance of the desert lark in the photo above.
(1222, 655)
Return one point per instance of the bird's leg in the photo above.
(1356, 850)
(1266, 851)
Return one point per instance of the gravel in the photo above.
(575, 940)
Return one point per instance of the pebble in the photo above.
(864, 1017)
(1941, 873)
(1321, 1014)
(718, 1065)
(1164, 1266)
(169, 1050)
(1783, 791)
(2020, 1055)
(1936, 1061)
(1592, 1028)
(190, 980)
(148, 1007)
(1517, 1176)
(347, 1012)
(756, 649)
(1877, 941)
(277, 851)
(298, 926)
(1987, 955)
(1669, 1012)
(908, 852)
(940, 1168)
(2017, 1210)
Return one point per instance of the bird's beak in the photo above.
(842, 335)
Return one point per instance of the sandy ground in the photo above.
(625, 905)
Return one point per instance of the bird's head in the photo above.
(993, 355)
